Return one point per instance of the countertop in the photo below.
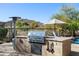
(51, 38)
(59, 38)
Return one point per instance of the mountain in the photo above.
(30, 21)
(8, 24)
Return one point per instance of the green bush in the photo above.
(3, 33)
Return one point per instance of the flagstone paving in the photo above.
(6, 49)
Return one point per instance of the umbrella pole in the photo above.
(54, 28)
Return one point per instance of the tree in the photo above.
(71, 16)
(21, 24)
(3, 33)
(67, 13)
(71, 12)
(48, 26)
(73, 27)
(33, 24)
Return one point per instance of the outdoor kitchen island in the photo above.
(57, 46)
(53, 46)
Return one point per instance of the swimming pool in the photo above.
(76, 40)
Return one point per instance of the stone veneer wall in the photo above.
(22, 45)
(60, 48)
(66, 47)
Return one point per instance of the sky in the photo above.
(34, 11)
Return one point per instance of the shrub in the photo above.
(3, 33)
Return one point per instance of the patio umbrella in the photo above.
(55, 21)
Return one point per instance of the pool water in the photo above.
(76, 41)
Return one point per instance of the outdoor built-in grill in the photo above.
(36, 39)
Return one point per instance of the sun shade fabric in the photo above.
(55, 21)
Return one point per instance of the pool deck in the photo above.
(74, 50)
(6, 49)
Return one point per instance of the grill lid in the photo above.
(36, 36)
(37, 33)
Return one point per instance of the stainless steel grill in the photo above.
(36, 39)
(36, 36)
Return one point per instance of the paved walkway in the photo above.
(6, 49)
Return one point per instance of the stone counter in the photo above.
(61, 39)
(61, 46)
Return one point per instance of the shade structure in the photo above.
(55, 21)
